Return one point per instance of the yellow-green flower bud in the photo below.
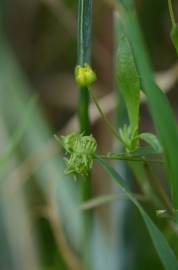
(84, 76)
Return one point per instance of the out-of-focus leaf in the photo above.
(174, 36)
(35, 139)
(18, 241)
(159, 106)
(100, 200)
(164, 251)
(152, 140)
(143, 151)
(17, 136)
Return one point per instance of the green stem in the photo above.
(109, 125)
(139, 159)
(83, 111)
(171, 12)
(84, 57)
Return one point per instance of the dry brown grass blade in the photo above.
(51, 213)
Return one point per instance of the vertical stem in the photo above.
(84, 57)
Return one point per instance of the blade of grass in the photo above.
(35, 138)
(163, 117)
(164, 251)
(174, 30)
(17, 136)
(108, 198)
(171, 12)
(19, 239)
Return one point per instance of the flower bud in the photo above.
(84, 76)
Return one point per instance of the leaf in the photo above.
(159, 106)
(144, 151)
(152, 140)
(161, 245)
(108, 198)
(128, 81)
(48, 168)
(18, 134)
(100, 200)
(174, 36)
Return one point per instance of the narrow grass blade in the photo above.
(174, 36)
(18, 134)
(159, 106)
(35, 140)
(100, 200)
(174, 30)
(161, 245)
(108, 198)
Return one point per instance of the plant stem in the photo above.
(139, 159)
(84, 57)
(171, 13)
(109, 125)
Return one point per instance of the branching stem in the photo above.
(106, 120)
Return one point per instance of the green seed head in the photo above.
(84, 76)
(68, 142)
(80, 152)
(79, 164)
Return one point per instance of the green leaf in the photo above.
(159, 106)
(128, 81)
(174, 36)
(161, 245)
(144, 151)
(152, 140)
(18, 134)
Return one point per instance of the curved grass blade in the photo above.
(161, 245)
(152, 140)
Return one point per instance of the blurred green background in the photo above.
(40, 219)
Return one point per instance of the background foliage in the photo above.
(40, 224)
